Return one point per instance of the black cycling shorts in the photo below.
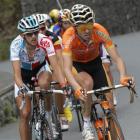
(28, 74)
(95, 69)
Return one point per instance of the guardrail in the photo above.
(6, 91)
(8, 110)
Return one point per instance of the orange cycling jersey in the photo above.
(82, 52)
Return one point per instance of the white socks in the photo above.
(87, 122)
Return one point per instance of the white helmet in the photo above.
(47, 17)
(41, 18)
(81, 14)
(28, 24)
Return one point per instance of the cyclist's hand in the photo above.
(67, 90)
(23, 89)
(81, 94)
(127, 81)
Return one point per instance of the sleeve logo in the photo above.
(44, 43)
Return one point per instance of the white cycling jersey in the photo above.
(18, 51)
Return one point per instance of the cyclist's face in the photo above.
(85, 30)
(31, 38)
(65, 24)
(42, 29)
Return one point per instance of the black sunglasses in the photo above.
(42, 28)
(32, 33)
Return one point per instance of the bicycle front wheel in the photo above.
(46, 132)
(56, 121)
(115, 128)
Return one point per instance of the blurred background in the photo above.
(118, 16)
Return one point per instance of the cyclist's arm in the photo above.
(57, 69)
(67, 60)
(14, 57)
(111, 49)
(58, 50)
(17, 73)
(60, 58)
(118, 60)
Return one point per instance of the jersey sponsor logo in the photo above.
(44, 42)
(103, 35)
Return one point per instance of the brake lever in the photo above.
(132, 88)
(132, 92)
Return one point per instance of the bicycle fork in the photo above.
(101, 123)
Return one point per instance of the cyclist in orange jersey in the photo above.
(81, 49)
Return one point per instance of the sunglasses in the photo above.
(84, 27)
(32, 33)
(42, 28)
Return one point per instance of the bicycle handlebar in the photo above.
(45, 92)
(107, 89)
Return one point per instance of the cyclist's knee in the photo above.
(25, 111)
(44, 79)
(25, 115)
(88, 83)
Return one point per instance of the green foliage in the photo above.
(4, 50)
(10, 12)
(7, 111)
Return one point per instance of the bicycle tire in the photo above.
(33, 130)
(79, 115)
(56, 121)
(115, 128)
(46, 132)
(33, 121)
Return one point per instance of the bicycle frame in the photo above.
(103, 124)
(39, 116)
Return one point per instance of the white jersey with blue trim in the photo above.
(18, 52)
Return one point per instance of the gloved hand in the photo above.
(127, 81)
(81, 94)
(23, 89)
(67, 90)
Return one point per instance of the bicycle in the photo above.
(107, 126)
(40, 123)
(55, 112)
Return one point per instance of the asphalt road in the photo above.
(128, 114)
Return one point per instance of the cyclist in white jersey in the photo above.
(28, 53)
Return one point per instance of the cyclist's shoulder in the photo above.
(17, 42)
(101, 32)
(70, 32)
(69, 36)
(99, 28)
